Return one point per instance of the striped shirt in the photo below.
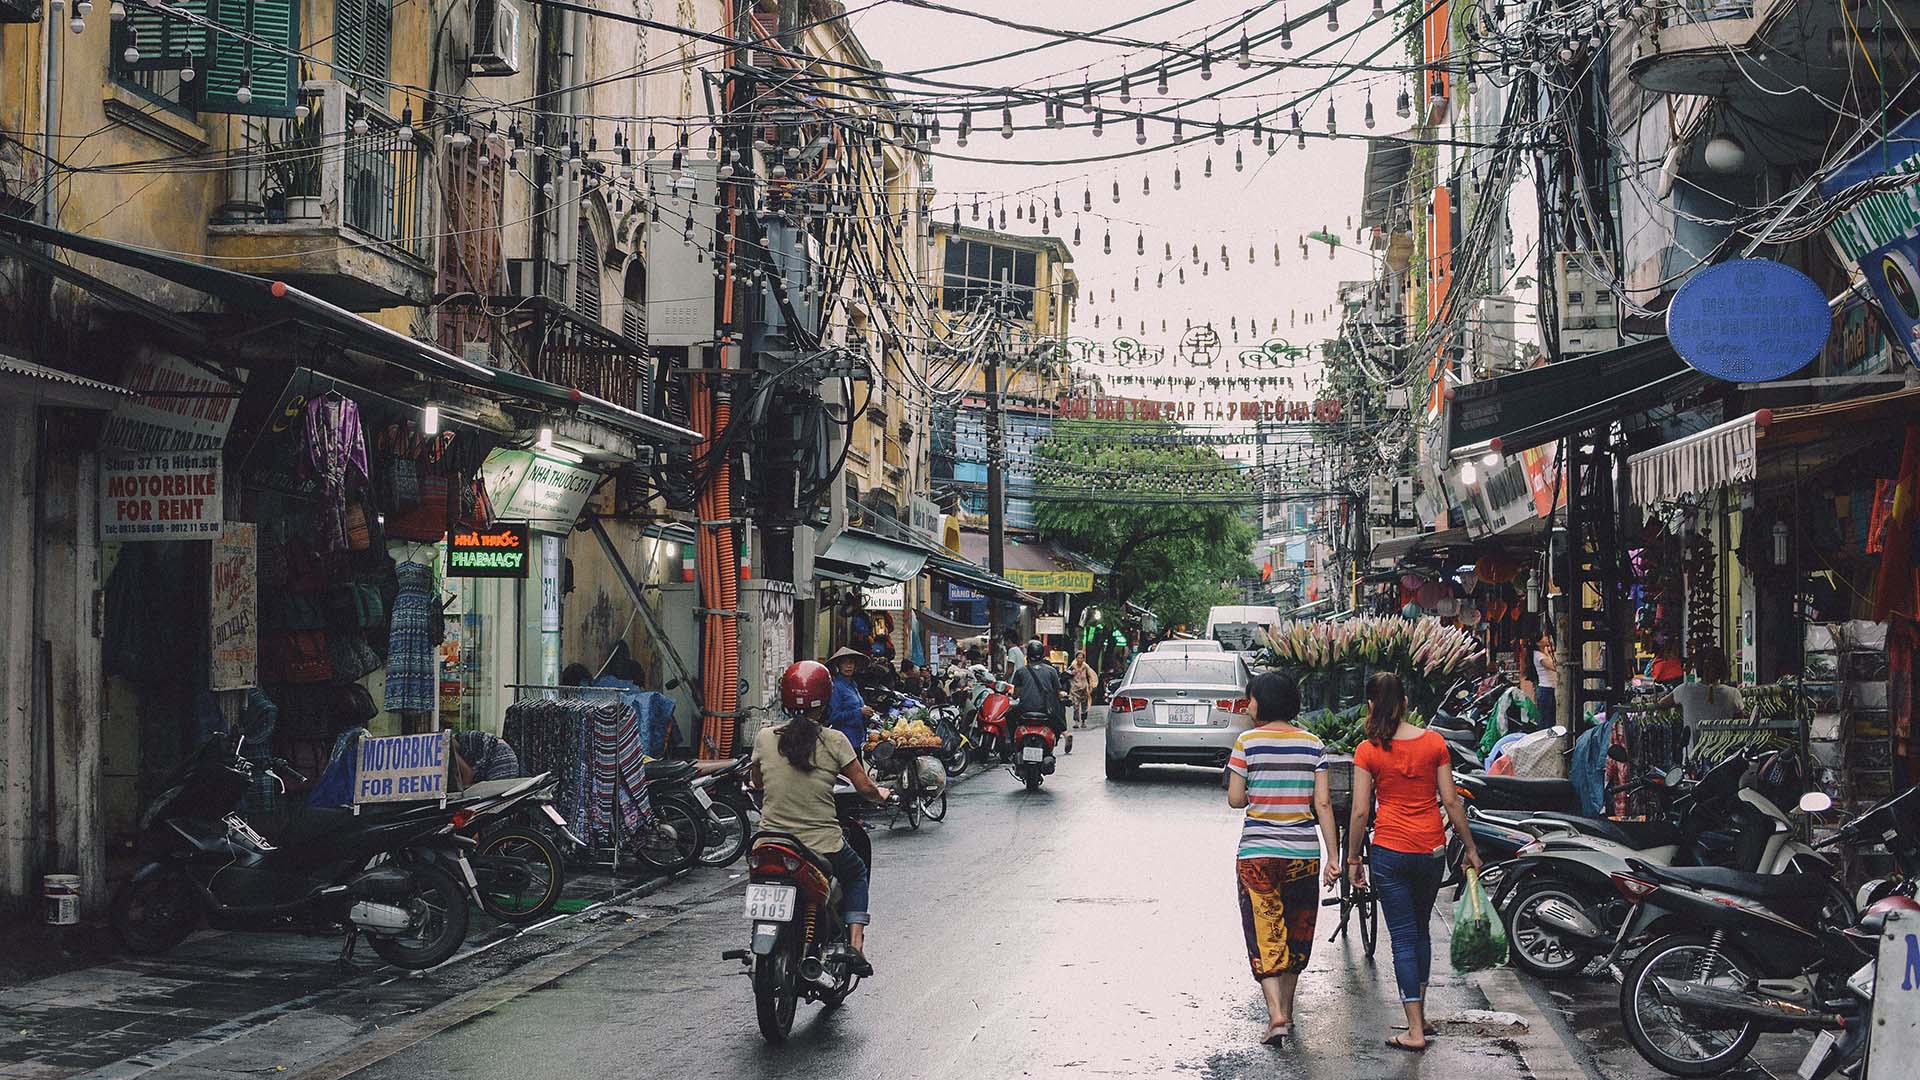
(1278, 767)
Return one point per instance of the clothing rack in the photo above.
(608, 856)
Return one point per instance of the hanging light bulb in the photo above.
(1169, 252)
(77, 24)
(1140, 244)
(1286, 29)
(545, 439)
(1056, 203)
(1140, 129)
(1176, 176)
(1146, 184)
(406, 123)
(1245, 58)
(1099, 122)
(430, 419)
(1106, 243)
(1333, 15)
(1046, 226)
(1239, 163)
(1006, 123)
(1126, 86)
(1076, 234)
(1331, 128)
(966, 128)
(116, 12)
(1270, 146)
(1116, 191)
(244, 95)
(187, 73)
(1086, 199)
(1206, 171)
(976, 208)
(1403, 105)
(1160, 82)
(132, 53)
(1367, 116)
(1379, 8)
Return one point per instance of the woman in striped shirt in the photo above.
(1279, 774)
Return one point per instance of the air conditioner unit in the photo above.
(496, 38)
(520, 277)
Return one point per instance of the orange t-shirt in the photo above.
(1406, 792)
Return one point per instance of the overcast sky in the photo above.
(1275, 200)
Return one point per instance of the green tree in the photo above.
(1169, 519)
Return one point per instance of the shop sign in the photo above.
(1068, 581)
(1749, 320)
(1505, 497)
(401, 768)
(160, 496)
(1543, 478)
(233, 632)
(886, 597)
(550, 563)
(500, 551)
(524, 486)
(1881, 233)
(178, 407)
(1050, 624)
(960, 594)
(924, 515)
(1859, 343)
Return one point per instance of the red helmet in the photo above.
(806, 686)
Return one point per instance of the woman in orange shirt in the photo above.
(1402, 775)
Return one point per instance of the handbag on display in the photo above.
(427, 520)
(359, 533)
(351, 658)
(305, 656)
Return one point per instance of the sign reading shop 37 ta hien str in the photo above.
(170, 496)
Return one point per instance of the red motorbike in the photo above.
(992, 722)
(1033, 750)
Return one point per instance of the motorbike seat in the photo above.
(1763, 887)
(306, 826)
(1458, 735)
(1539, 788)
(669, 770)
(1639, 835)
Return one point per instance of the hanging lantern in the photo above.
(1206, 64)
(1116, 191)
(1331, 129)
(1333, 16)
(1367, 117)
(1286, 30)
(1086, 199)
(1099, 122)
(1140, 248)
(1207, 170)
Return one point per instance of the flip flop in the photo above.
(1395, 1044)
(1278, 1034)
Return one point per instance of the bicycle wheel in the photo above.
(1344, 900)
(935, 806)
(1369, 913)
(910, 797)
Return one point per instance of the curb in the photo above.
(1544, 1050)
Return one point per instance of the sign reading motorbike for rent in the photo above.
(166, 496)
(401, 768)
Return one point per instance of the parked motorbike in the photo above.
(799, 950)
(1033, 739)
(677, 836)
(1558, 899)
(517, 863)
(1490, 792)
(1727, 956)
(402, 879)
(730, 811)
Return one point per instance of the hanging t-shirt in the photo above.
(1278, 766)
(1700, 703)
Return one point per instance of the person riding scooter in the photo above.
(1039, 691)
(795, 763)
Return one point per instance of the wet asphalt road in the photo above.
(1088, 929)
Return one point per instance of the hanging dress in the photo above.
(411, 679)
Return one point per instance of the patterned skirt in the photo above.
(1279, 902)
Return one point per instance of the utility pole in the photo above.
(996, 486)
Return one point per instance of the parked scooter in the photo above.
(517, 862)
(1558, 899)
(720, 788)
(1729, 956)
(401, 879)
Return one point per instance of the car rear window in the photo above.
(1238, 636)
(1182, 670)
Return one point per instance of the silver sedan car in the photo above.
(1184, 708)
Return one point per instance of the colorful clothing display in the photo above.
(593, 748)
(412, 672)
(337, 451)
(1279, 902)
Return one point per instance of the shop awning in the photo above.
(1545, 404)
(1037, 566)
(981, 581)
(952, 628)
(1721, 456)
(258, 295)
(868, 558)
(24, 380)
(1390, 551)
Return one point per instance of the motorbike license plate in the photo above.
(1032, 753)
(1182, 714)
(771, 903)
(554, 815)
(1817, 1054)
(705, 800)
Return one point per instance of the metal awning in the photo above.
(1721, 456)
(261, 296)
(952, 628)
(868, 558)
(1389, 157)
(36, 382)
(1390, 551)
(1547, 403)
(983, 581)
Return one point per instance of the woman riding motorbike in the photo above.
(796, 764)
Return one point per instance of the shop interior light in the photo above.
(545, 439)
(1492, 460)
(430, 419)
(1468, 474)
(561, 453)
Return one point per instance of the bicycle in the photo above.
(1363, 902)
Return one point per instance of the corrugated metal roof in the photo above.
(13, 366)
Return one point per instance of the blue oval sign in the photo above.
(1749, 320)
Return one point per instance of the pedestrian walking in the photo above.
(1081, 683)
(1402, 777)
(1278, 774)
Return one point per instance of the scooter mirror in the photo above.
(1674, 776)
(1559, 732)
(1815, 802)
(1617, 752)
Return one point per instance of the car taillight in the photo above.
(1128, 704)
(1234, 705)
(461, 817)
(1633, 888)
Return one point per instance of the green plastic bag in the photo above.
(1479, 939)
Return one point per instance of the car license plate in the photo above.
(771, 903)
(1032, 753)
(553, 815)
(1182, 714)
(1817, 1054)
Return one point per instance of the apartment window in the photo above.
(163, 46)
(975, 269)
(586, 282)
(363, 46)
(470, 258)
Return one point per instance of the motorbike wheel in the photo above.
(728, 829)
(440, 905)
(934, 806)
(1032, 778)
(676, 839)
(1538, 949)
(525, 849)
(957, 760)
(154, 915)
(775, 995)
(1675, 1040)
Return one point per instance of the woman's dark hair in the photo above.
(1386, 707)
(1529, 671)
(798, 740)
(576, 675)
(1276, 697)
(1711, 663)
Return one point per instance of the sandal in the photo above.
(1395, 1044)
(1278, 1034)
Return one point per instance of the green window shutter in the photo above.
(254, 46)
(378, 38)
(164, 40)
(349, 39)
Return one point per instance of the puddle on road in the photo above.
(1105, 900)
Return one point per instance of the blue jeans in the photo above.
(1408, 885)
(851, 873)
(1543, 697)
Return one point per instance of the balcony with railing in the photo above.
(563, 346)
(1763, 49)
(337, 202)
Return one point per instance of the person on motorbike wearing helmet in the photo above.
(795, 764)
(1041, 691)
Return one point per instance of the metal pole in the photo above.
(996, 495)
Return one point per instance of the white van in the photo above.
(1236, 626)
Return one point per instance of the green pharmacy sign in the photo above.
(496, 552)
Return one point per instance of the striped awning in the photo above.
(1721, 456)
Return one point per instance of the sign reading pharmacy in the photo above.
(500, 551)
(1041, 581)
(401, 768)
(524, 486)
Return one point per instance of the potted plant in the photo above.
(293, 167)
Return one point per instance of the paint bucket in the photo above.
(62, 895)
